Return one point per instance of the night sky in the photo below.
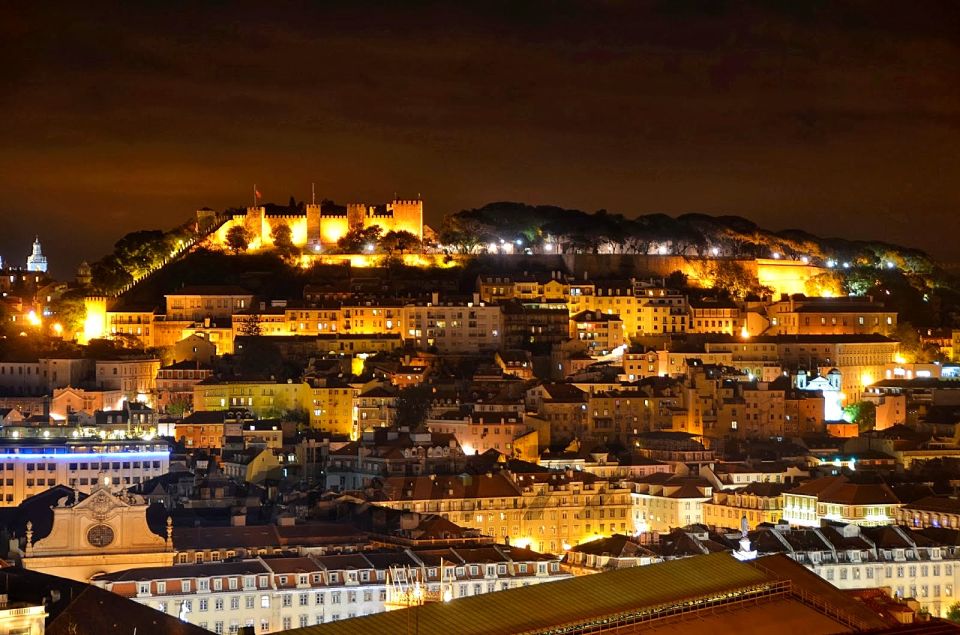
(839, 118)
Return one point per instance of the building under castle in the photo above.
(322, 224)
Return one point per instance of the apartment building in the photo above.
(836, 498)
(278, 594)
(454, 325)
(543, 511)
(31, 466)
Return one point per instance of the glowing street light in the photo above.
(58, 329)
(33, 318)
(370, 247)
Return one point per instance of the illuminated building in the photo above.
(931, 511)
(563, 406)
(31, 466)
(541, 511)
(601, 332)
(67, 401)
(101, 533)
(205, 429)
(661, 363)
(662, 311)
(478, 432)
(375, 406)
(21, 618)
(708, 315)
(381, 453)
(136, 327)
(838, 499)
(274, 594)
(663, 501)
(175, 383)
(319, 227)
(830, 316)
(613, 297)
(135, 378)
(860, 359)
(36, 261)
(526, 287)
(197, 303)
(454, 326)
(329, 403)
(757, 502)
(95, 322)
(516, 363)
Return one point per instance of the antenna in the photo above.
(313, 193)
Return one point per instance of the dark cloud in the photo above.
(838, 118)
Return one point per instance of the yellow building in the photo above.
(547, 512)
(757, 502)
(264, 399)
(331, 408)
(133, 326)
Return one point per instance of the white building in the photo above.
(28, 467)
(282, 593)
(36, 261)
(454, 326)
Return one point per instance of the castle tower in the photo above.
(254, 222)
(356, 214)
(37, 261)
(407, 216)
(314, 237)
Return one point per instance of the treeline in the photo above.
(548, 228)
(137, 254)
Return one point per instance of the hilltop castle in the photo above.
(323, 224)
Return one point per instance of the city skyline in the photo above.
(821, 117)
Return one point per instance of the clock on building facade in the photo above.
(100, 535)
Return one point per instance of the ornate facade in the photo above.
(102, 533)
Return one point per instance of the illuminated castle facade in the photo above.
(322, 225)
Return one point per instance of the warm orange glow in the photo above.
(95, 324)
(33, 318)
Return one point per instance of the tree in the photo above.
(677, 280)
(360, 239)
(109, 275)
(238, 239)
(178, 406)
(862, 413)
(953, 613)
(412, 406)
(283, 241)
(70, 311)
(251, 325)
(399, 241)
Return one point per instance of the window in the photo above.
(264, 601)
